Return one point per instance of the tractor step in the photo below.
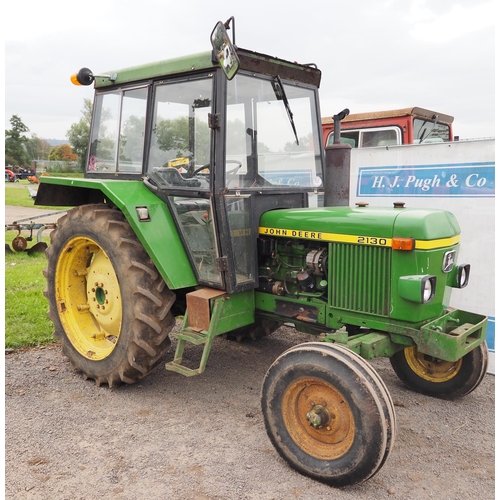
(183, 370)
(209, 313)
(191, 336)
(198, 330)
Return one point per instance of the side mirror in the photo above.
(224, 50)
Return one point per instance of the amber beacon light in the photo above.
(86, 77)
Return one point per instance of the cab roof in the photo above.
(251, 61)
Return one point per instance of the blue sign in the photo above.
(290, 177)
(459, 180)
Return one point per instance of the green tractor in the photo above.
(208, 194)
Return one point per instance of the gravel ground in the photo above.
(203, 438)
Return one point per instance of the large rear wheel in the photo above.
(328, 414)
(109, 305)
(439, 378)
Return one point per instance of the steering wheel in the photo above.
(228, 172)
(199, 169)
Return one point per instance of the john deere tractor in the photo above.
(208, 194)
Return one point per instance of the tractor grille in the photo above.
(361, 278)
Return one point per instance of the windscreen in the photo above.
(272, 134)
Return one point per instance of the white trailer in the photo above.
(455, 176)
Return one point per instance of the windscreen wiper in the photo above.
(422, 137)
(280, 93)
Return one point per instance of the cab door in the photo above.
(181, 164)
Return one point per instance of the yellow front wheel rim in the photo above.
(429, 368)
(88, 298)
(335, 436)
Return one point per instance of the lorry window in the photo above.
(426, 131)
(261, 148)
(369, 138)
(117, 142)
(180, 135)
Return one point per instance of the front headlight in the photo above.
(417, 288)
(463, 275)
(459, 277)
(428, 289)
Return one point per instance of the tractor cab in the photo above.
(221, 138)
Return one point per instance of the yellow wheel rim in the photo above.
(429, 368)
(336, 433)
(88, 298)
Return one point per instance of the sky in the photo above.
(374, 55)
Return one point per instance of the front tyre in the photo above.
(327, 414)
(439, 378)
(109, 305)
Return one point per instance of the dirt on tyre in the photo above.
(327, 414)
(109, 305)
(436, 377)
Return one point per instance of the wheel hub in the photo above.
(89, 298)
(318, 417)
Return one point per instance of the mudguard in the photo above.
(159, 234)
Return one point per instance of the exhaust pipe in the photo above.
(337, 167)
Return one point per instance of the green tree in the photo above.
(62, 153)
(79, 134)
(173, 135)
(38, 149)
(304, 144)
(132, 139)
(15, 143)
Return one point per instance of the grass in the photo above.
(18, 196)
(26, 322)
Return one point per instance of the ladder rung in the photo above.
(183, 370)
(191, 336)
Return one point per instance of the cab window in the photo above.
(117, 141)
(271, 135)
(180, 135)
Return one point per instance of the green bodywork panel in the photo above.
(174, 66)
(363, 268)
(159, 235)
(420, 224)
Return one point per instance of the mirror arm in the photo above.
(226, 25)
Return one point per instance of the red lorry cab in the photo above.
(393, 127)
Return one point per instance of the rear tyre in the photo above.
(439, 378)
(327, 414)
(109, 305)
